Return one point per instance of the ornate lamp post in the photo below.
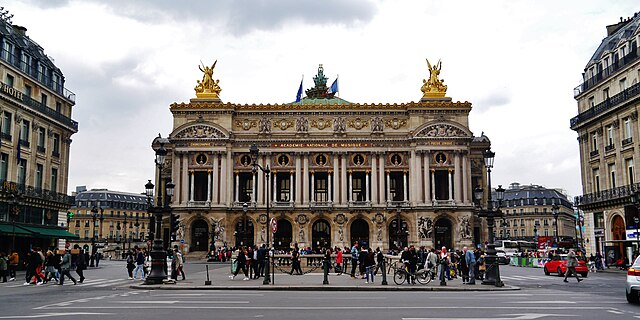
(137, 225)
(94, 217)
(101, 218)
(158, 255)
(245, 208)
(492, 276)
(254, 151)
(535, 232)
(398, 227)
(555, 209)
(149, 187)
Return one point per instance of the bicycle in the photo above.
(402, 274)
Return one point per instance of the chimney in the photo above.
(20, 30)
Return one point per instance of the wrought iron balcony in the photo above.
(55, 154)
(198, 204)
(5, 136)
(594, 153)
(606, 105)
(36, 75)
(618, 194)
(24, 143)
(41, 149)
(443, 203)
(606, 73)
(610, 147)
(627, 142)
(9, 187)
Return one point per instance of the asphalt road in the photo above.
(106, 295)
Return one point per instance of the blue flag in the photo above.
(299, 95)
(334, 86)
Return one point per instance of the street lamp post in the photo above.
(158, 254)
(245, 208)
(398, 227)
(94, 218)
(556, 211)
(254, 151)
(581, 220)
(535, 232)
(492, 276)
(504, 228)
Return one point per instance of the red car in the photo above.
(559, 265)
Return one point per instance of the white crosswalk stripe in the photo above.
(95, 283)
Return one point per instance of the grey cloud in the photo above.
(492, 100)
(239, 17)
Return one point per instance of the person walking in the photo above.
(3, 266)
(139, 264)
(444, 266)
(295, 261)
(338, 260)
(262, 260)
(14, 260)
(354, 259)
(572, 263)
(370, 265)
(180, 264)
(51, 267)
(65, 267)
(241, 261)
(432, 263)
(470, 259)
(81, 263)
(379, 261)
(130, 264)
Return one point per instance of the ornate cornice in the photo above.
(284, 107)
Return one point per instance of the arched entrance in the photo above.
(283, 236)
(244, 236)
(199, 235)
(321, 234)
(360, 232)
(618, 232)
(398, 237)
(443, 234)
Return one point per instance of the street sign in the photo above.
(182, 241)
(274, 225)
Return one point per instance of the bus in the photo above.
(509, 247)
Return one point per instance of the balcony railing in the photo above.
(321, 204)
(36, 75)
(24, 143)
(55, 154)
(41, 149)
(359, 204)
(198, 204)
(594, 153)
(606, 73)
(443, 203)
(38, 106)
(395, 204)
(5, 136)
(627, 142)
(9, 187)
(606, 105)
(282, 204)
(607, 195)
(610, 147)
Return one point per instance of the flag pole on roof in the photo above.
(299, 94)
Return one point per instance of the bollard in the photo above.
(326, 272)
(384, 272)
(207, 282)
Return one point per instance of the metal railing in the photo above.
(36, 75)
(10, 187)
(606, 105)
(605, 195)
(606, 73)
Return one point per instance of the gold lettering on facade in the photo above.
(11, 91)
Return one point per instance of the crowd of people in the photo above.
(45, 267)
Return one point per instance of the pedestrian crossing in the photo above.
(526, 278)
(94, 283)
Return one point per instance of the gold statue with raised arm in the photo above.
(207, 88)
(434, 87)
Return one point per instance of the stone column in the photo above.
(412, 178)
(419, 190)
(298, 179)
(236, 197)
(229, 174)
(305, 181)
(427, 181)
(215, 189)
(175, 177)
(335, 181)
(223, 180)
(374, 178)
(367, 188)
(404, 183)
(313, 186)
(259, 176)
(343, 183)
(433, 185)
(272, 176)
(383, 188)
(192, 184)
(274, 184)
(456, 178)
(389, 186)
(184, 185)
(329, 182)
(465, 178)
(350, 181)
(290, 187)
(254, 187)
(450, 186)
(209, 186)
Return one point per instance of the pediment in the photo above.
(443, 130)
(199, 131)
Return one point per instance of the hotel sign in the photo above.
(12, 91)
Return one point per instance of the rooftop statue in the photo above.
(434, 87)
(207, 88)
(320, 90)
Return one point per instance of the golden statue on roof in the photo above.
(207, 88)
(434, 87)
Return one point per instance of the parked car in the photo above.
(559, 265)
(632, 288)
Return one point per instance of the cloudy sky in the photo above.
(516, 61)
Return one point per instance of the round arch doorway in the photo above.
(398, 237)
(244, 236)
(199, 235)
(443, 234)
(360, 232)
(283, 236)
(321, 234)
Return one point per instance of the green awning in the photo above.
(7, 229)
(42, 232)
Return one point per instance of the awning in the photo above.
(42, 232)
(7, 229)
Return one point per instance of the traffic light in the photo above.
(69, 217)
(175, 225)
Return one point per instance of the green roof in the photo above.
(321, 101)
(45, 232)
(8, 229)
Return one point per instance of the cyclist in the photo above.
(409, 260)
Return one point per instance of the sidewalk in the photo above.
(308, 282)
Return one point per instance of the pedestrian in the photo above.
(3, 266)
(463, 268)
(432, 262)
(51, 267)
(81, 263)
(379, 261)
(370, 265)
(180, 264)
(241, 261)
(338, 260)
(482, 266)
(130, 264)
(139, 264)
(262, 257)
(33, 262)
(250, 261)
(444, 266)
(65, 267)
(470, 259)
(362, 257)
(255, 265)
(174, 266)
(354, 259)
(14, 260)
(572, 263)
(295, 261)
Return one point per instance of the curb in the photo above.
(323, 288)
